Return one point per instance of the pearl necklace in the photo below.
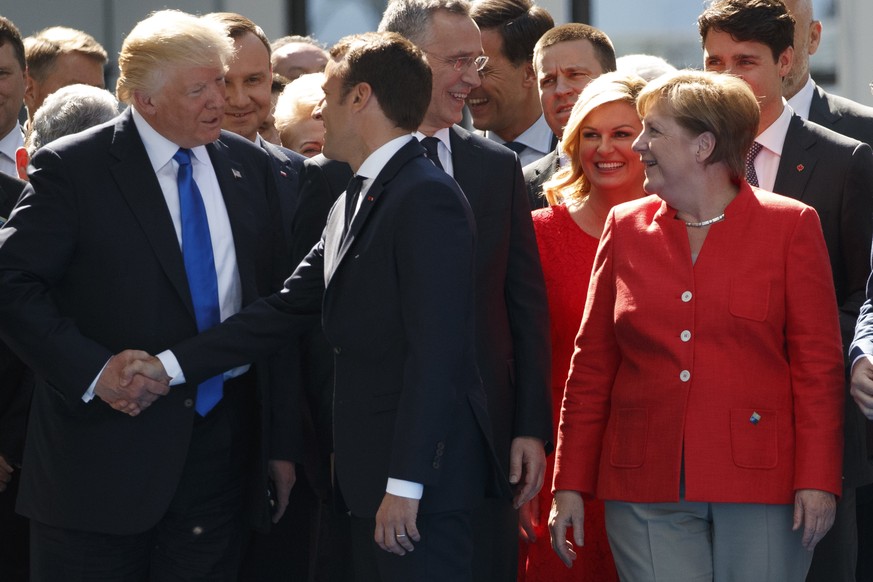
(718, 218)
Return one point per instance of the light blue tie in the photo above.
(200, 268)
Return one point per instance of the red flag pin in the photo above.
(800, 167)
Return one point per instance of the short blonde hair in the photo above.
(718, 103)
(298, 99)
(169, 38)
(570, 183)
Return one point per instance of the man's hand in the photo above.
(128, 393)
(395, 524)
(862, 385)
(568, 510)
(529, 520)
(283, 475)
(815, 510)
(527, 468)
(5, 473)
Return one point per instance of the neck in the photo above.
(769, 114)
(370, 142)
(532, 112)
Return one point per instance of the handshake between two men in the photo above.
(131, 381)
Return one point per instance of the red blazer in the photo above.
(735, 359)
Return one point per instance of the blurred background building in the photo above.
(844, 62)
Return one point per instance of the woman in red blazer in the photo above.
(705, 398)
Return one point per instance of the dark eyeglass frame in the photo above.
(459, 64)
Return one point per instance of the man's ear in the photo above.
(360, 95)
(30, 91)
(530, 76)
(814, 36)
(144, 102)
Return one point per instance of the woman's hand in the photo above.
(815, 510)
(568, 510)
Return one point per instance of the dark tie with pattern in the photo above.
(431, 145)
(751, 174)
(353, 190)
(200, 268)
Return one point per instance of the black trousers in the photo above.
(199, 538)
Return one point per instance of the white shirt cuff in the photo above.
(88, 396)
(401, 488)
(172, 367)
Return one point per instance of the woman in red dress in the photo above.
(602, 171)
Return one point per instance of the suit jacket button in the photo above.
(337, 350)
(436, 464)
(189, 402)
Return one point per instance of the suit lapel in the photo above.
(232, 181)
(797, 161)
(468, 166)
(820, 109)
(334, 227)
(147, 203)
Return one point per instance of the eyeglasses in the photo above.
(461, 63)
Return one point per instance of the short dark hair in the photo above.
(393, 67)
(238, 26)
(520, 24)
(764, 21)
(41, 50)
(603, 49)
(10, 33)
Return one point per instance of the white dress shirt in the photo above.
(802, 101)
(772, 139)
(536, 139)
(8, 146)
(444, 149)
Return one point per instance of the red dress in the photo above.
(567, 254)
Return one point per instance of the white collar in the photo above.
(773, 138)
(802, 101)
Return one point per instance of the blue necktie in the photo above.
(431, 146)
(200, 268)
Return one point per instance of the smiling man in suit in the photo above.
(393, 278)
(142, 231)
(512, 332)
(834, 174)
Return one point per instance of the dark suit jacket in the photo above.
(538, 173)
(512, 337)
(512, 318)
(834, 175)
(287, 167)
(842, 115)
(89, 266)
(16, 384)
(396, 297)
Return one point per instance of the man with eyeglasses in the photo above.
(512, 333)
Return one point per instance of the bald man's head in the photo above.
(807, 35)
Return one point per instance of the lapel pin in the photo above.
(236, 173)
(283, 174)
(369, 198)
(799, 167)
(755, 418)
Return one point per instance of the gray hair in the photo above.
(410, 18)
(69, 110)
(649, 67)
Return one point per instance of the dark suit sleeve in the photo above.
(36, 249)
(856, 232)
(262, 328)
(434, 252)
(529, 319)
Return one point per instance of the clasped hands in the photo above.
(131, 381)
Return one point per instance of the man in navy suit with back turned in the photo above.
(512, 333)
(393, 278)
(142, 231)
